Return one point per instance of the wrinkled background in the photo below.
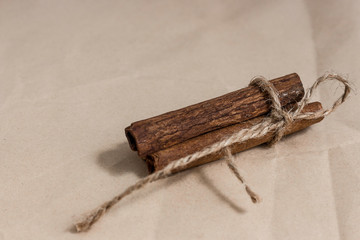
(74, 74)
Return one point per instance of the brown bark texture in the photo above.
(158, 160)
(161, 132)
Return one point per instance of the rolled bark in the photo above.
(166, 130)
(157, 161)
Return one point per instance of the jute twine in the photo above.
(278, 121)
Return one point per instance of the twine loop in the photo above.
(278, 121)
(286, 118)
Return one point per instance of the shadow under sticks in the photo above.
(120, 160)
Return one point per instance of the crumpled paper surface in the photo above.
(74, 74)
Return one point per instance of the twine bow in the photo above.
(278, 121)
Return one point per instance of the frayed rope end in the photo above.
(89, 220)
(254, 197)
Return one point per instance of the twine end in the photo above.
(81, 227)
(86, 224)
(254, 197)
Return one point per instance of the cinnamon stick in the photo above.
(166, 130)
(160, 159)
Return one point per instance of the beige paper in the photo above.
(74, 74)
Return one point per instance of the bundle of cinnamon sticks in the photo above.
(165, 138)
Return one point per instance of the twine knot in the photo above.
(278, 114)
